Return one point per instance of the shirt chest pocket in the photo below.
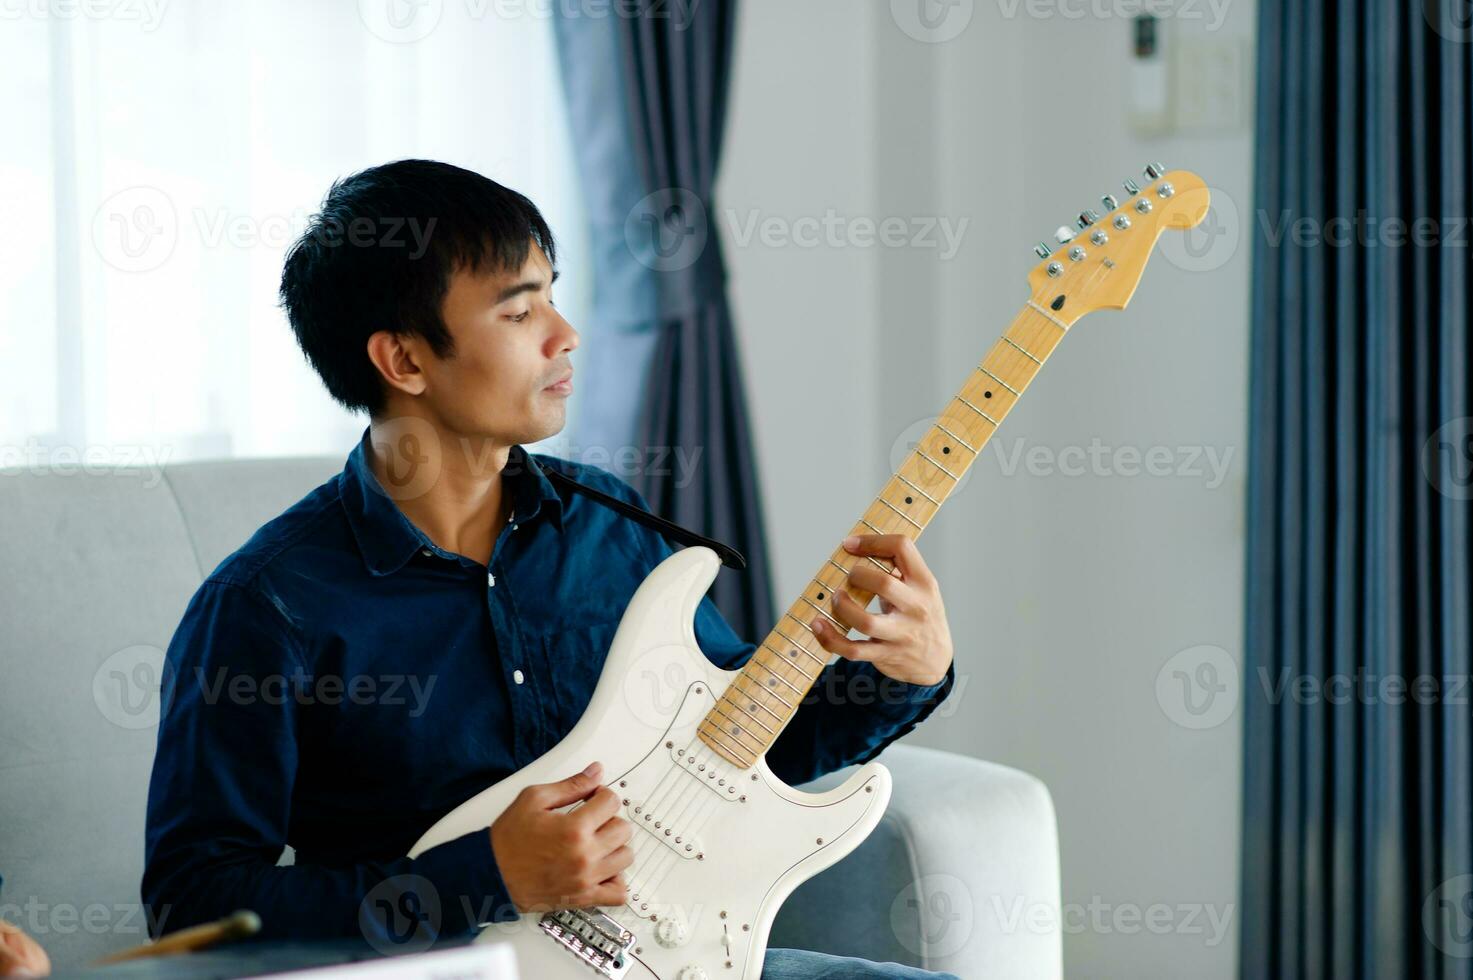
(575, 660)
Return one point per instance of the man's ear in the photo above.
(397, 357)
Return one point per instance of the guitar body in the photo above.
(717, 848)
(720, 842)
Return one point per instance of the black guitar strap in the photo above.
(729, 556)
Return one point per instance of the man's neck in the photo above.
(464, 506)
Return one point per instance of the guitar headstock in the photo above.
(1100, 263)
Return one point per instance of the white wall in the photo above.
(1067, 595)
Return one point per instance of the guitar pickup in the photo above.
(714, 773)
(685, 845)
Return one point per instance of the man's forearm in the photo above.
(445, 891)
(851, 714)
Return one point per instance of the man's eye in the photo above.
(519, 317)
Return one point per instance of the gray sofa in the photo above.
(95, 571)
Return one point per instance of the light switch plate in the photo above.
(1211, 84)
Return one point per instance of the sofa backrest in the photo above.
(95, 572)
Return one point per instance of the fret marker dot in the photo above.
(908, 500)
(820, 595)
(945, 449)
(986, 394)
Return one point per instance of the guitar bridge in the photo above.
(593, 937)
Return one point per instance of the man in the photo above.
(435, 617)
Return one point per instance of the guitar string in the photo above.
(663, 869)
(644, 843)
(707, 754)
(643, 870)
(700, 755)
(654, 872)
(704, 755)
(699, 823)
(653, 877)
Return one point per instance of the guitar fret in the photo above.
(897, 510)
(772, 685)
(758, 701)
(880, 565)
(979, 411)
(713, 731)
(738, 726)
(774, 673)
(956, 437)
(1049, 316)
(1021, 350)
(727, 698)
(794, 641)
(825, 615)
(796, 646)
(826, 585)
(918, 490)
(920, 452)
(1015, 391)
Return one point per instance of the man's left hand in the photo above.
(909, 639)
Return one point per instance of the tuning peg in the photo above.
(1088, 217)
(1109, 202)
(1132, 188)
(1042, 250)
(1063, 234)
(1154, 170)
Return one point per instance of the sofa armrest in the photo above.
(961, 875)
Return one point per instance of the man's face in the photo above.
(511, 344)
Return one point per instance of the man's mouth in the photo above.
(561, 386)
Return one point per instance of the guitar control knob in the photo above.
(1063, 234)
(670, 933)
(692, 973)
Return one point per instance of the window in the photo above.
(161, 158)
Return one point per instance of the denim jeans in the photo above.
(799, 964)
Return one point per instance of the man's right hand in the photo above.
(554, 860)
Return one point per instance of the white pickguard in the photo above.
(746, 839)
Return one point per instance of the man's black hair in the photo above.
(380, 254)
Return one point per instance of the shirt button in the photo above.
(426, 552)
(490, 579)
(517, 676)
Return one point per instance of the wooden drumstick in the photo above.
(240, 925)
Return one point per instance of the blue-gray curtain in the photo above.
(646, 85)
(1357, 814)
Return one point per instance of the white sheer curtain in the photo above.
(157, 160)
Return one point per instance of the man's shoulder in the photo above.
(316, 518)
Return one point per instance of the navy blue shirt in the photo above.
(340, 683)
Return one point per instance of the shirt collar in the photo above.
(388, 539)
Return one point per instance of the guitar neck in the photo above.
(761, 700)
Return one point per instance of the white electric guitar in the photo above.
(719, 841)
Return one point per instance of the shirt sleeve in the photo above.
(220, 797)
(848, 717)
